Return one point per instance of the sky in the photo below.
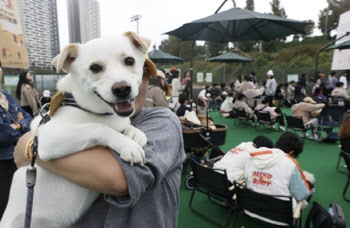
(161, 16)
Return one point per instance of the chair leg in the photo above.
(235, 218)
(338, 163)
(346, 188)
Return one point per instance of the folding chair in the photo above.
(297, 124)
(346, 157)
(215, 185)
(319, 217)
(242, 118)
(265, 119)
(344, 148)
(271, 207)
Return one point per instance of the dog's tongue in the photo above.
(124, 106)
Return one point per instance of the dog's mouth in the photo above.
(122, 108)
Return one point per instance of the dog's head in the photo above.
(109, 68)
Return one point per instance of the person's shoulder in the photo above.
(158, 114)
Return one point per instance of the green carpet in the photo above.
(317, 158)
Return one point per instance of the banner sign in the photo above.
(13, 52)
(341, 58)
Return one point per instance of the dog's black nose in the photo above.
(121, 89)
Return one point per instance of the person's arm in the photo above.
(25, 122)
(298, 186)
(94, 168)
(159, 98)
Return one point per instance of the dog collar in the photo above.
(70, 101)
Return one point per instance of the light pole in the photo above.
(136, 18)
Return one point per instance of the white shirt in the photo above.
(202, 93)
(227, 105)
(344, 80)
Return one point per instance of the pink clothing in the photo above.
(262, 107)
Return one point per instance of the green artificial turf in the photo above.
(317, 158)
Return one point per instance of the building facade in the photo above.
(40, 28)
(83, 20)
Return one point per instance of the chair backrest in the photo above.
(273, 207)
(263, 117)
(346, 156)
(295, 123)
(319, 217)
(241, 114)
(211, 180)
(345, 145)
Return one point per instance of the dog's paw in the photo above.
(133, 153)
(137, 135)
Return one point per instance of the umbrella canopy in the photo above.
(239, 25)
(159, 56)
(343, 45)
(229, 58)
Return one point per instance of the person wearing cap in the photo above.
(14, 122)
(306, 110)
(169, 79)
(271, 86)
(45, 99)
(156, 91)
(131, 196)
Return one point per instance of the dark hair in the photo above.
(338, 84)
(185, 73)
(303, 75)
(252, 73)
(230, 93)
(344, 73)
(247, 78)
(290, 142)
(262, 141)
(264, 100)
(207, 87)
(215, 84)
(182, 98)
(22, 80)
(240, 96)
(333, 73)
(232, 84)
(318, 90)
(223, 85)
(291, 82)
(239, 77)
(162, 70)
(175, 73)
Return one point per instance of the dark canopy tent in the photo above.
(159, 56)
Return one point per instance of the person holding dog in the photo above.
(14, 122)
(132, 196)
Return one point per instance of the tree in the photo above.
(309, 29)
(277, 9)
(215, 49)
(249, 5)
(337, 7)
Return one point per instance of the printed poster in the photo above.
(199, 77)
(13, 52)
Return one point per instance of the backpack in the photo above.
(321, 218)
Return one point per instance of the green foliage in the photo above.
(277, 9)
(250, 5)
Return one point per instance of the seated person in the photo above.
(290, 93)
(275, 113)
(183, 105)
(227, 106)
(215, 92)
(306, 109)
(339, 91)
(156, 91)
(240, 104)
(276, 172)
(319, 95)
(205, 94)
(235, 159)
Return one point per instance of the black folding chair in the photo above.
(344, 148)
(273, 207)
(215, 185)
(264, 118)
(346, 157)
(319, 217)
(242, 118)
(297, 124)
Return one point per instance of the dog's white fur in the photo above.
(57, 202)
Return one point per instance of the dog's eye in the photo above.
(95, 68)
(129, 61)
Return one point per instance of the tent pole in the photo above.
(191, 69)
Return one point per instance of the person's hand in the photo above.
(14, 126)
(20, 116)
(20, 158)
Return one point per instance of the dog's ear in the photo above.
(140, 43)
(66, 57)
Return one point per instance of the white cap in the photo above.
(208, 95)
(270, 72)
(46, 93)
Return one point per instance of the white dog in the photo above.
(104, 78)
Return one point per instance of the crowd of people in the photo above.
(257, 162)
